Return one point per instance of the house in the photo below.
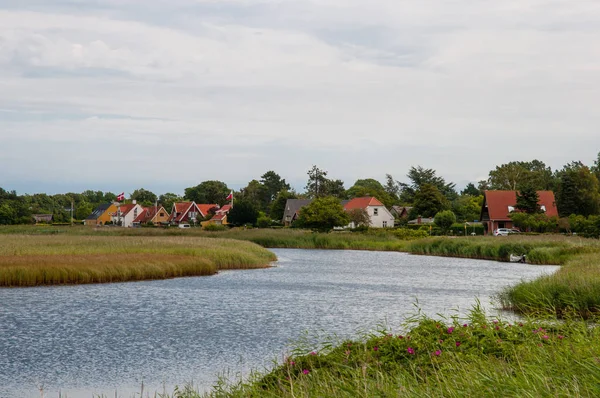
(126, 214)
(188, 212)
(400, 211)
(101, 215)
(422, 220)
(292, 209)
(206, 209)
(380, 216)
(155, 215)
(220, 217)
(42, 218)
(497, 206)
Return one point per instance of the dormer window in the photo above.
(511, 209)
(543, 208)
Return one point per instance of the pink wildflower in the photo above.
(313, 353)
(410, 350)
(495, 321)
(560, 337)
(458, 343)
(400, 336)
(306, 371)
(441, 341)
(545, 337)
(465, 325)
(292, 363)
(437, 353)
(450, 330)
(375, 348)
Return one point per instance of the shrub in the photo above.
(214, 227)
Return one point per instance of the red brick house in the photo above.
(497, 206)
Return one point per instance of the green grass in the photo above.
(476, 357)
(32, 260)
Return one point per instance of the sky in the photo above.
(116, 95)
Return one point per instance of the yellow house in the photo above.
(101, 215)
(156, 216)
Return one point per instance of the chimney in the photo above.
(134, 201)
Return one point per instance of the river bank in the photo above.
(36, 260)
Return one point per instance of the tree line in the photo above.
(576, 187)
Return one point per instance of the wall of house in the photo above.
(157, 219)
(107, 215)
(383, 218)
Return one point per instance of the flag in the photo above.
(121, 197)
(230, 196)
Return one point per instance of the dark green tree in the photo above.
(335, 188)
(444, 220)
(419, 177)
(244, 212)
(257, 194)
(578, 191)
(208, 192)
(168, 199)
(323, 214)
(392, 187)
(527, 200)
(144, 197)
(315, 187)
(514, 176)
(84, 209)
(471, 190)
(273, 184)
(429, 201)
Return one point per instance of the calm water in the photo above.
(107, 338)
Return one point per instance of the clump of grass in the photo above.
(33, 260)
(474, 357)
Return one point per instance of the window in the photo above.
(543, 208)
(385, 224)
(375, 211)
(162, 214)
(511, 209)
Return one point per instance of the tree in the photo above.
(323, 214)
(515, 175)
(419, 177)
(144, 197)
(370, 187)
(596, 167)
(278, 205)
(84, 209)
(334, 188)
(444, 220)
(273, 184)
(317, 179)
(471, 190)
(392, 187)
(167, 200)
(429, 201)
(527, 200)
(208, 192)
(578, 190)
(242, 213)
(360, 217)
(257, 194)
(467, 207)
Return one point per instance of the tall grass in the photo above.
(477, 357)
(32, 260)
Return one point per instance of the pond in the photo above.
(98, 339)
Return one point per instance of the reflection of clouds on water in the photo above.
(98, 338)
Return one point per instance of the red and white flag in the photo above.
(230, 196)
(121, 197)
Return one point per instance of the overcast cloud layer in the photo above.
(120, 94)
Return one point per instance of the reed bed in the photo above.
(473, 357)
(32, 260)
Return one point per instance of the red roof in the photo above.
(183, 208)
(224, 210)
(142, 216)
(148, 214)
(499, 201)
(126, 208)
(362, 203)
(204, 208)
(218, 217)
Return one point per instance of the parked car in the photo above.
(506, 231)
(184, 226)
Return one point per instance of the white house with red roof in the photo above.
(380, 216)
(188, 212)
(127, 213)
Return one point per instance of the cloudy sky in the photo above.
(164, 94)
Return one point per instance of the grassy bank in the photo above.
(32, 260)
(475, 357)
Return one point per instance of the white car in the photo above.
(184, 226)
(505, 231)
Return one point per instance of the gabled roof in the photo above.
(498, 203)
(218, 217)
(182, 208)
(292, 206)
(224, 210)
(362, 203)
(143, 216)
(126, 208)
(205, 208)
(149, 213)
(98, 211)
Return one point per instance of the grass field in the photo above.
(32, 260)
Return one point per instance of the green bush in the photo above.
(214, 227)
(263, 222)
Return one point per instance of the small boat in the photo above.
(516, 259)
